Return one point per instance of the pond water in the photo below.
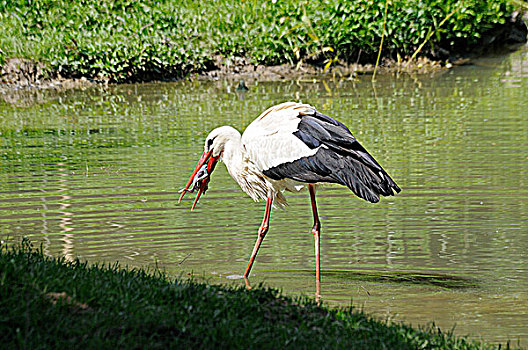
(94, 174)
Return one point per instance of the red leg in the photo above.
(316, 230)
(261, 234)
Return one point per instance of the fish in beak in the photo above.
(200, 176)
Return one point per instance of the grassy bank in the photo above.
(126, 40)
(52, 303)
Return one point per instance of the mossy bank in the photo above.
(53, 303)
(129, 40)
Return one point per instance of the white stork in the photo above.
(287, 147)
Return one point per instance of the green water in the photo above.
(95, 174)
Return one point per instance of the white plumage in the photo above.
(273, 131)
(267, 142)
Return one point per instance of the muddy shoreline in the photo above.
(25, 74)
(21, 74)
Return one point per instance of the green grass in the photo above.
(125, 40)
(53, 303)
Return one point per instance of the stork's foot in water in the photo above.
(318, 298)
(263, 229)
(248, 286)
(316, 234)
(316, 230)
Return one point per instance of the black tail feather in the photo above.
(367, 180)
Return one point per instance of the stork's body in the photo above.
(288, 147)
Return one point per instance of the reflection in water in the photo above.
(66, 225)
(94, 174)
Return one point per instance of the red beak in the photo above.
(200, 176)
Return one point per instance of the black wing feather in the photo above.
(340, 159)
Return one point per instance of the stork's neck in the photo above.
(242, 169)
(232, 155)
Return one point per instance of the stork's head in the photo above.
(213, 149)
